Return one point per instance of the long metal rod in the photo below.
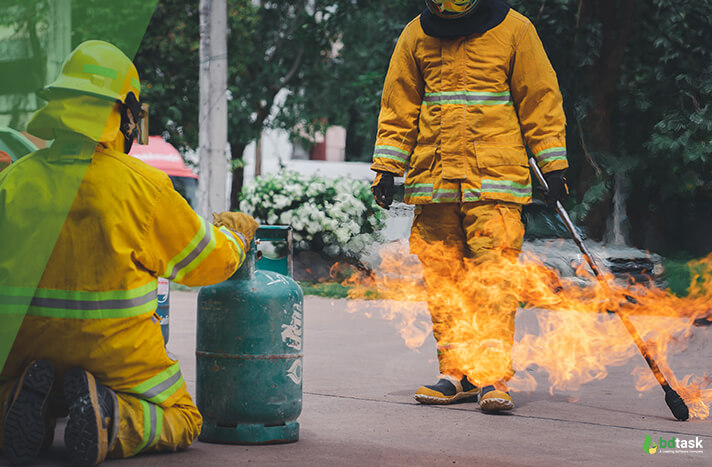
(674, 401)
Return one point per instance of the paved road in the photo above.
(358, 408)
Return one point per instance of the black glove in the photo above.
(558, 189)
(382, 189)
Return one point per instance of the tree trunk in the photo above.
(238, 173)
(616, 17)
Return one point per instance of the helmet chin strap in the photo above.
(129, 126)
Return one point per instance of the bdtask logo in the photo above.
(649, 446)
(674, 445)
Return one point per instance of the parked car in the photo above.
(547, 238)
(164, 156)
(13, 145)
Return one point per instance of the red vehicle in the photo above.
(162, 155)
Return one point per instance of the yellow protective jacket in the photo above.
(94, 306)
(456, 113)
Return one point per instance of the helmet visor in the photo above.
(452, 8)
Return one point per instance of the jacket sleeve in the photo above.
(183, 247)
(400, 109)
(536, 95)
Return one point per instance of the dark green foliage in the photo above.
(636, 76)
(167, 62)
(345, 87)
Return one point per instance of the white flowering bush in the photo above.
(336, 216)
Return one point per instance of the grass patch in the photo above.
(680, 271)
(677, 274)
(333, 290)
(325, 289)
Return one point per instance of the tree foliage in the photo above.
(636, 79)
(636, 76)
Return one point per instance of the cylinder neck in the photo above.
(247, 270)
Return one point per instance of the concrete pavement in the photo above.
(358, 409)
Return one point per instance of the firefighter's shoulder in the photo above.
(132, 167)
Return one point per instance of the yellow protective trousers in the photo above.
(142, 426)
(466, 250)
(145, 427)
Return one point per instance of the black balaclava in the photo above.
(489, 13)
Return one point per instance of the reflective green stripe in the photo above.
(471, 195)
(160, 387)
(14, 308)
(146, 409)
(468, 93)
(71, 304)
(100, 70)
(205, 248)
(507, 187)
(393, 148)
(467, 102)
(467, 98)
(97, 296)
(551, 154)
(236, 240)
(187, 250)
(391, 152)
(200, 246)
(158, 426)
(419, 190)
(446, 195)
(67, 313)
(395, 158)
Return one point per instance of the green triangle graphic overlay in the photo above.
(37, 191)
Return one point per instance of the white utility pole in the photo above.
(212, 134)
(59, 33)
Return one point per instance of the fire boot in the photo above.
(93, 419)
(495, 398)
(447, 390)
(27, 427)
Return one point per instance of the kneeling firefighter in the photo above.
(469, 84)
(90, 331)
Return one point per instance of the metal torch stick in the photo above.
(672, 398)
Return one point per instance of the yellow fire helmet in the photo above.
(452, 8)
(99, 69)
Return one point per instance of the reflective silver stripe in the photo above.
(446, 195)
(159, 388)
(116, 304)
(418, 189)
(390, 152)
(242, 238)
(152, 433)
(508, 188)
(542, 156)
(468, 195)
(193, 254)
(466, 97)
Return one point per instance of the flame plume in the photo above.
(579, 337)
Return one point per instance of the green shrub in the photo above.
(336, 216)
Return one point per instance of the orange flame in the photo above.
(578, 337)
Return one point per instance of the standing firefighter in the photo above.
(91, 330)
(468, 85)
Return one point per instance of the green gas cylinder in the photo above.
(249, 357)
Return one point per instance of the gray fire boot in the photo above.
(93, 418)
(27, 428)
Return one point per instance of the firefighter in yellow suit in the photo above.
(468, 87)
(91, 328)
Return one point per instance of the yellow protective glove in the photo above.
(237, 222)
